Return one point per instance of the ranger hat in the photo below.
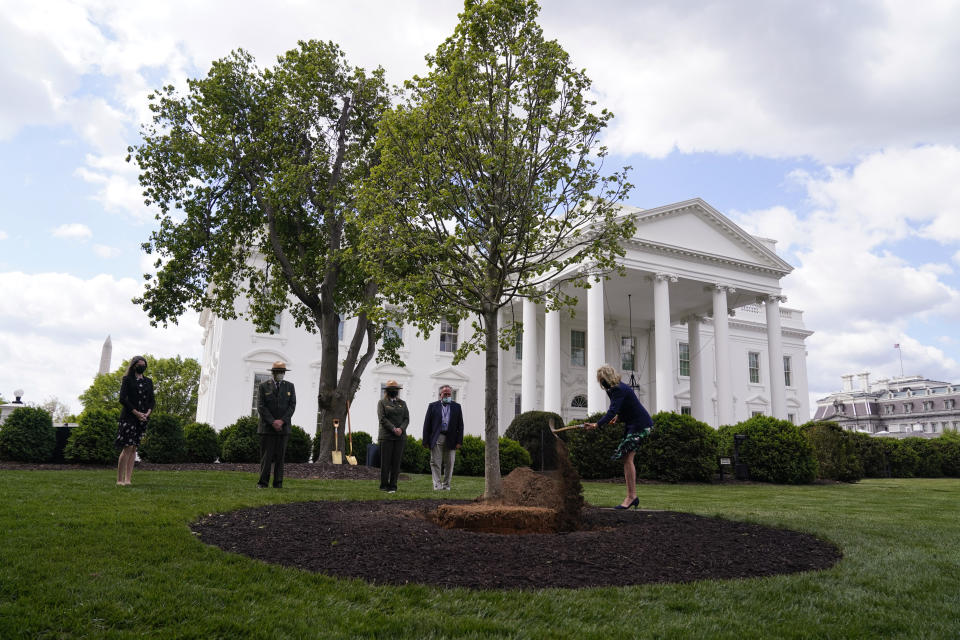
(279, 365)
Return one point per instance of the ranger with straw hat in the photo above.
(276, 401)
(394, 417)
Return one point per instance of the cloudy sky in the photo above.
(833, 127)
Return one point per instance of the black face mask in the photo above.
(392, 393)
(605, 384)
(140, 368)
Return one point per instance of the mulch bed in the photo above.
(321, 470)
(393, 542)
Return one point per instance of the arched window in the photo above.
(579, 402)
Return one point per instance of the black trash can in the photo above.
(373, 455)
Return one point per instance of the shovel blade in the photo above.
(352, 460)
(336, 457)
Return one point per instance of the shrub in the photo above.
(902, 458)
(239, 442)
(590, 451)
(949, 444)
(530, 429)
(360, 441)
(470, 457)
(415, 458)
(94, 440)
(513, 455)
(164, 442)
(774, 450)
(298, 445)
(929, 457)
(27, 435)
(202, 443)
(680, 448)
(835, 450)
(872, 455)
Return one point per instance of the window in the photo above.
(754, 414)
(753, 364)
(448, 337)
(928, 405)
(685, 411)
(791, 418)
(518, 347)
(627, 354)
(579, 402)
(684, 354)
(888, 409)
(393, 330)
(516, 405)
(787, 372)
(258, 379)
(907, 407)
(578, 348)
(949, 404)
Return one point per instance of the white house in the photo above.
(708, 336)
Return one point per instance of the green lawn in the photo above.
(82, 558)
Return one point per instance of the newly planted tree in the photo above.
(255, 173)
(490, 182)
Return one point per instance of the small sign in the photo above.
(725, 461)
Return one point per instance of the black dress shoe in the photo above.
(634, 504)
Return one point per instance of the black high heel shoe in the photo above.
(634, 504)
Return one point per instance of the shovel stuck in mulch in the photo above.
(336, 457)
(351, 459)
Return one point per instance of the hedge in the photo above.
(836, 451)
(164, 441)
(590, 450)
(239, 442)
(360, 441)
(472, 455)
(93, 441)
(774, 450)
(679, 448)
(530, 429)
(202, 443)
(298, 445)
(27, 435)
(415, 458)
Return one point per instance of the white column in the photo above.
(551, 363)
(596, 398)
(662, 341)
(721, 341)
(778, 385)
(697, 408)
(528, 366)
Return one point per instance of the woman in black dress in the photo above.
(136, 396)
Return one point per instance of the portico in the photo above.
(718, 269)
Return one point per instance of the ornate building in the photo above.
(908, 405)
(696, 323)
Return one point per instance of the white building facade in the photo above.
(696, 323)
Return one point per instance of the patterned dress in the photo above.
(135, 393)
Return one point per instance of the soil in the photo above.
(537, 537)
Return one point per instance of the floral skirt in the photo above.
(129, 433)
(630, 442)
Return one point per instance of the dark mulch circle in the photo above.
(392, 542)
(323, 470)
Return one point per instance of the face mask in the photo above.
(140, 368)
(446, 400)
(277, 376)
(392, 393)
(604, 384)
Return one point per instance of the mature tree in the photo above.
(57, 409)
(175, 382)
(490, 178)
(255, 173)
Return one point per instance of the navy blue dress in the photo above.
(135, 393)
(633, 416)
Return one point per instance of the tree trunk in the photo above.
(330, 402)
(492, 482)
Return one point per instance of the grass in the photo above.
(82, 558)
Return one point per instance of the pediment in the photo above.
(695, 227)
(387, 369)
(757, 399)
(449, 373)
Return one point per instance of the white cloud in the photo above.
(3, 235)
(52, 326)
(74, 230)
(104, 251)
(861, 288)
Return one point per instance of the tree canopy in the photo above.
(255, 173)
(175, 382)
(490, 180)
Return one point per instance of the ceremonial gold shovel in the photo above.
(335, 455)
(351, 459)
